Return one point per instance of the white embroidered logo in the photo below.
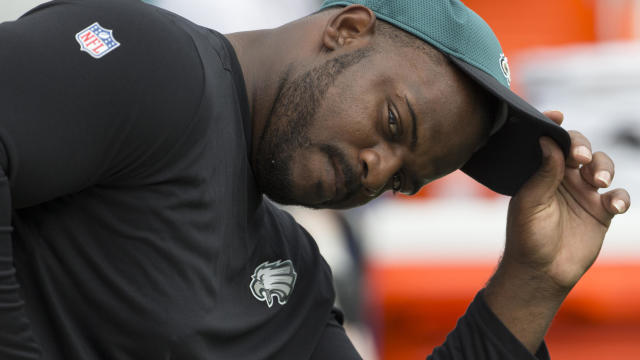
(96, 40)
(504, 65)
(273, 279)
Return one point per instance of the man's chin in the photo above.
(291, 195)
(331, 204)
(292, 200)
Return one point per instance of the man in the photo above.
(137, 146)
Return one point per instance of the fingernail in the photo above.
(604, 176)
(619, 205)
(583, 151)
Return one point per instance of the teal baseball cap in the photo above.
(512, 153)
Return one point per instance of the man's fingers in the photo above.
(543, 184)
(580, 152)
(600, 171)
(616, 201)
(556, 116)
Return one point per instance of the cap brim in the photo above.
(512, 153)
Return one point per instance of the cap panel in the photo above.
(446, 24)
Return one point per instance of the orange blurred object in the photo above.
(522, 24)
(599, 320)
(456, 184)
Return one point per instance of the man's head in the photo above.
(377, 109)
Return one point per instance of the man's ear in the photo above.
(353, 25)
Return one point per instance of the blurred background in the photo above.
(406, 269)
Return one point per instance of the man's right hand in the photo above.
(555, 229)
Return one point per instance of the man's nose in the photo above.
(379, 165)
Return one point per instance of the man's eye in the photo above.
(396, 182)
(393, 124)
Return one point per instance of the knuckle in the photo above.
(605, 160)
(600, 156)
(577, 138)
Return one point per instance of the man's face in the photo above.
(363, 122)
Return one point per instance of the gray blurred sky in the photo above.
(223, 16)
(12, 9)
(227, 17)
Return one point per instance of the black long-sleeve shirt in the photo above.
(138, 230)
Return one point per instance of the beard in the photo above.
(287, 128)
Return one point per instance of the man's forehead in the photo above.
(451, 124)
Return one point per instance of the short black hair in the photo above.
(399, 37)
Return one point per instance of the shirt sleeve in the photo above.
(479, 334)
(70, 120)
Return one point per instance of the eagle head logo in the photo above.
(273, 280)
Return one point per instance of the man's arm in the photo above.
(69, 121)
(480, 334)
(555, 229)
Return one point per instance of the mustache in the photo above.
(351, 178)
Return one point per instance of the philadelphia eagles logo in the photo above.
(504, 66)
(273, 279)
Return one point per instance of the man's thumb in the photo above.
(543, 184)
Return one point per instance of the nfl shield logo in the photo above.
(96, 40)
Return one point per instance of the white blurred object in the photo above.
(442, 230)
(13, 9)
(445, 231)
(597, 87)
(228, 17)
